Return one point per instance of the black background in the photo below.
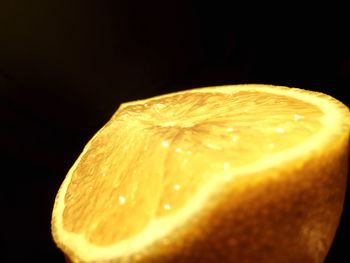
(65, 66)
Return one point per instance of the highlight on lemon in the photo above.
(236, 173)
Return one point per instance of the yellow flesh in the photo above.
(153, 149)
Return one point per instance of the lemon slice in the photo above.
(253, 173)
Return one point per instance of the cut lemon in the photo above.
(240, 173)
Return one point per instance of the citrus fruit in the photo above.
(239, 173)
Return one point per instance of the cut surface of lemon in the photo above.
(249, 172)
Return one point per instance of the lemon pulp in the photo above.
(157, 154)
